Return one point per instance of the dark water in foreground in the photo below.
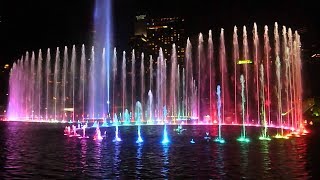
(41, 151)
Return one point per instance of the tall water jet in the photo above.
(56, 83)
(212, 107)
(264, 123)
(150, 73)
(243, 136)
(278, 75)
(184, 97)
(235, 59)
(267, 65)
(33, 84)
(83, 82)
(133, 81)
(219, 138)
(103, 20)
(124, 82)
(92, 86)
(173, 84)
(225, 99)
(179, 86)
(256, 57)
(64, 81)
(161, 86)
(48, 90)
(199, 63)
(39, 84)
(246, 70)
(114, 79)
(290, 71)
(103, 74)
(73, 74)
(142, 90)
(298, 80)
(189, 79)
(279, 97)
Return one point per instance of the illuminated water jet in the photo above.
(243, 135)
(97, 136)
(219, 138)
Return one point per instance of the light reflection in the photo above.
(244, 151)
(165, 159)
(219, 162)
(265, 157)
(116, 159)
(139, 161)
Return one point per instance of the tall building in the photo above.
(138, 42)
(140, 25)
(163, 32)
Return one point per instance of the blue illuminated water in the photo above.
(41, 151)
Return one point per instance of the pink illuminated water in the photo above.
(64, 86)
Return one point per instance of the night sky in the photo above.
(33, 24)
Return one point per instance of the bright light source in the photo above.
(246, 61)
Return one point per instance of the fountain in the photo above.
(138, 116)
(264, 135)
(84, 132)
(150, 101)
(116, 123)
(70, 87)
(126, 117)
(180, 129)
(97, 136)
(243, 135)
(219, 138)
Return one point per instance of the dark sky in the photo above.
(33, 24)
(37, 24)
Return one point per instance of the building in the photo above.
(138, 42)
(163, 32)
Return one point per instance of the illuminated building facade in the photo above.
(163, 32)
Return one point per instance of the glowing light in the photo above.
(279, 136)
(265, 138)
(220, 140)
(165, 139)
(192, 141)
(243, 139)
(247, 61)
(97, 135)
(117, 138)
(139, 140)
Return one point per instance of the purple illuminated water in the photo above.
(72, 87)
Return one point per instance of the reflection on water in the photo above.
(139, 165)
(265, 158)
(116, 159)
(244, 159)
(165, 160)
(40, 151)
(219, 162)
